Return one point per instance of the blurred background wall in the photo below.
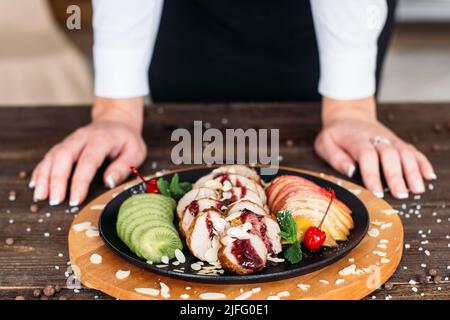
(42, 62)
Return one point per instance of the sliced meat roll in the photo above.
(238, 207)
(231, 169)
(239, 193)
(240, 170)
(243, 254)
(204, 234)
(264, 227)
(195, 194)
(235, 181)
(192, 211)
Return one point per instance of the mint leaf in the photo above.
(288, 226)
(294, 253)
(178, 189)
(163, 187)
(185, 186)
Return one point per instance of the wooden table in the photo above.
(36, 260)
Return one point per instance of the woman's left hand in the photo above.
(352, 135)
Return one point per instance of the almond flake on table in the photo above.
(379, 253)
(148, 291)
(244, 295)
(164, 290)
(324, 281)
(412, 282)
(273, 298)
(96, 258)
(389, 211)
(350, 270)
(82, 226)
(212, 295)
(256, 290)
(427, 252)
(98, 207)
(92, 233)
(381, 246)
(386, 225)
(385, 260)
(373, 232)
(122, 274)
(384, 241)
(304, 287)
(184, 296)
(283, 294)
(377, 222)
(339, 281)
(351, 260)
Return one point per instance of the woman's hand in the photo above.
(115, 132)
(351, 134)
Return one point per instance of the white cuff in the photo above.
(347, 78)
(121, 73)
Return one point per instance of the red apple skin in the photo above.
(294, 188)
(281, 182)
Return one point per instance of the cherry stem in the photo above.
(137, 174)
(331, 191)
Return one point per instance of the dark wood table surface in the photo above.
(35, 260)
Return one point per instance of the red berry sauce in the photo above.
(210, 227)
(193, 208)
(246, 255)
(259, 227)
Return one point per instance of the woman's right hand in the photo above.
(114, 133)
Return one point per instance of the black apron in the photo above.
(238, 50)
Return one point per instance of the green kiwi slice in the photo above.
(158, 242)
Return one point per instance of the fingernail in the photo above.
(351, 171)
(74, 203)
(54, 202)
(74, 199)
(432, 176)
(402, 195)
(38, 193)
(418, 186)
(32, 184)
(110, 181)
(379, 194)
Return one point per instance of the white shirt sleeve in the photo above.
(124, 38)
(347, 32)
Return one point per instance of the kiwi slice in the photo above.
(137, 231)
(158, 242)
(151, 197)
(151, 211)
(128, 228)
(123, 213)
(143, 204)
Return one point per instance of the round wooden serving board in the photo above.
(376, 259)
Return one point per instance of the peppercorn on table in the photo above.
(34, 252)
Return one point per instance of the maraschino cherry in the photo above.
(315, 236)
(150, 186)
